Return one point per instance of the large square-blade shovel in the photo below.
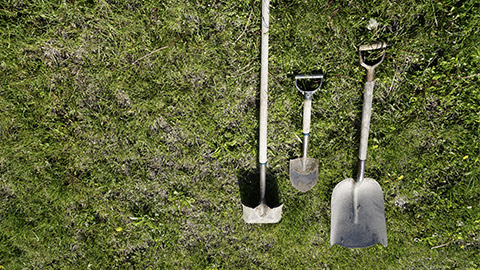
(263, 213)
(358, 214)
(304, 170)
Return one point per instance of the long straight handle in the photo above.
(366, 113)
(262, 157)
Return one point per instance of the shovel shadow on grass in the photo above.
(249, 184)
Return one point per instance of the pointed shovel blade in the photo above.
(358, 214)
(262, 214)
(303, 176)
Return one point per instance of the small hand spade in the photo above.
(304, 170)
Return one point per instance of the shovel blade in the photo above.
(262, 214)
(303, 173)
(358, 214)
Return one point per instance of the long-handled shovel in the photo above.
(304, 170)
(358, 214)
(262, 213)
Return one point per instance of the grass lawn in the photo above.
(129, 129)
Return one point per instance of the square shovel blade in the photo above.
(262, 214)
(303, 176)
(358, 214)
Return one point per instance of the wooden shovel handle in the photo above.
(366, 114)
(262, 157)
(374, 46)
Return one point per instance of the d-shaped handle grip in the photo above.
(308, 93)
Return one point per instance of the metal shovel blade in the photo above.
(262, 214)
(358, 214)
(303, 173)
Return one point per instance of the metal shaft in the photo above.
(305, 149)
(263, 177)
(361, 171)
(305, 145)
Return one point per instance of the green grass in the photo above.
(128, 127)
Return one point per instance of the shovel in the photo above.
(263, 213)
(304, 170)
(358, 214)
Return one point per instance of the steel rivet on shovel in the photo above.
(358, 213)
(263, 213)
(304, 170)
